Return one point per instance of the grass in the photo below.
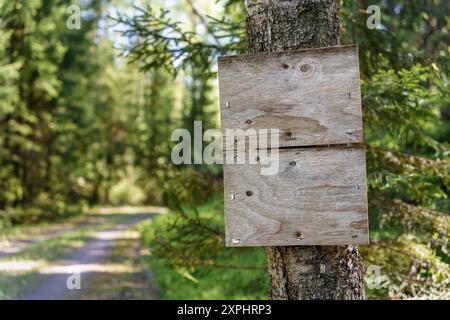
(18, 232)
(235, 273)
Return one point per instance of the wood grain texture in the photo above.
(312, 96)
(319, 197)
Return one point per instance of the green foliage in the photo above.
(126, 192)
(67, 112)
(405, 90)
(79, 126)
(201, 267)
(30, 55)
(43, 211)
(405, 100)
(158, 42)
(389, 96)
(409, 269)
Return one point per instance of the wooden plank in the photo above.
(318, 197)
(312, 96)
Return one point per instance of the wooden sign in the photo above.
(318, 196)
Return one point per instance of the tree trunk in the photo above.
(304, 272)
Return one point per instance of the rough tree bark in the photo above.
(304, 272)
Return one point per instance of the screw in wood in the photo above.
(298, 235)
(233, 196)
(227, 104)
(248, 121)
(235, 241)
(292, 163)
(357, 186)
(289, 135)
(249, 193)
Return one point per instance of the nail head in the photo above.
(305, 67)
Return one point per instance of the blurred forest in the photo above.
(86, 117)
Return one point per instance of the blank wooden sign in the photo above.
(312, 96)
(319, 195)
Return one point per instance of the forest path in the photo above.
(71, 277)
(97, 257)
